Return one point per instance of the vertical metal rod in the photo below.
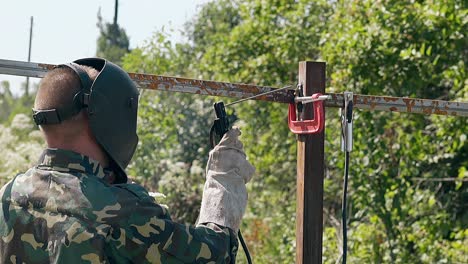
(29, 54)
(310, 173)
(116, 12)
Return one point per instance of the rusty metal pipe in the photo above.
(402, 104)
(241, 91)
(165, 83)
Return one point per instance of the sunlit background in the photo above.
(66, 30)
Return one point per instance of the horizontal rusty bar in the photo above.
(439, 179)
(209, 88)
(240, 91)
(22, 68)
(402, 104)
(164, 83)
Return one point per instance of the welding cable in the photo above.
(244, 246)
(212, 137)
(347, 136)
(260, 94)
(343, 209)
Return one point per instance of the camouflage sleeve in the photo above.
(148, 235)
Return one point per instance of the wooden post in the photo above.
(310, 173)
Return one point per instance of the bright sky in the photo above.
(66, 30)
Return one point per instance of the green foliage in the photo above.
(399, 212)
(385, 47)
(399, 48)
(113, 42)
(21, 145)
(11, 105)
(6, 100)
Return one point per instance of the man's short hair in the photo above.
(56, 91)
(59, 86)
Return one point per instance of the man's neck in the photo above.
(85, 147)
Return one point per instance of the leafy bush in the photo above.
(21, 147)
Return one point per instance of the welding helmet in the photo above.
(111, 102)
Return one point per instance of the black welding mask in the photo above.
(111, 102)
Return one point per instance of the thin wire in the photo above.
(212, 136)
(258, 95)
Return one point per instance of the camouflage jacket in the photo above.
(62, 211)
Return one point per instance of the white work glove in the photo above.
(227, 171)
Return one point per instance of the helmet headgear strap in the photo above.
(80, 100)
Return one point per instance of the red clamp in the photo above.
(313, 126)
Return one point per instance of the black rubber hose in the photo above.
(212, 137)
(343, 209)
(244, 246)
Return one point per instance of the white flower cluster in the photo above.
(20, 145)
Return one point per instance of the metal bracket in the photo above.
(313, 126)
(311, 99)
(347, 123)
